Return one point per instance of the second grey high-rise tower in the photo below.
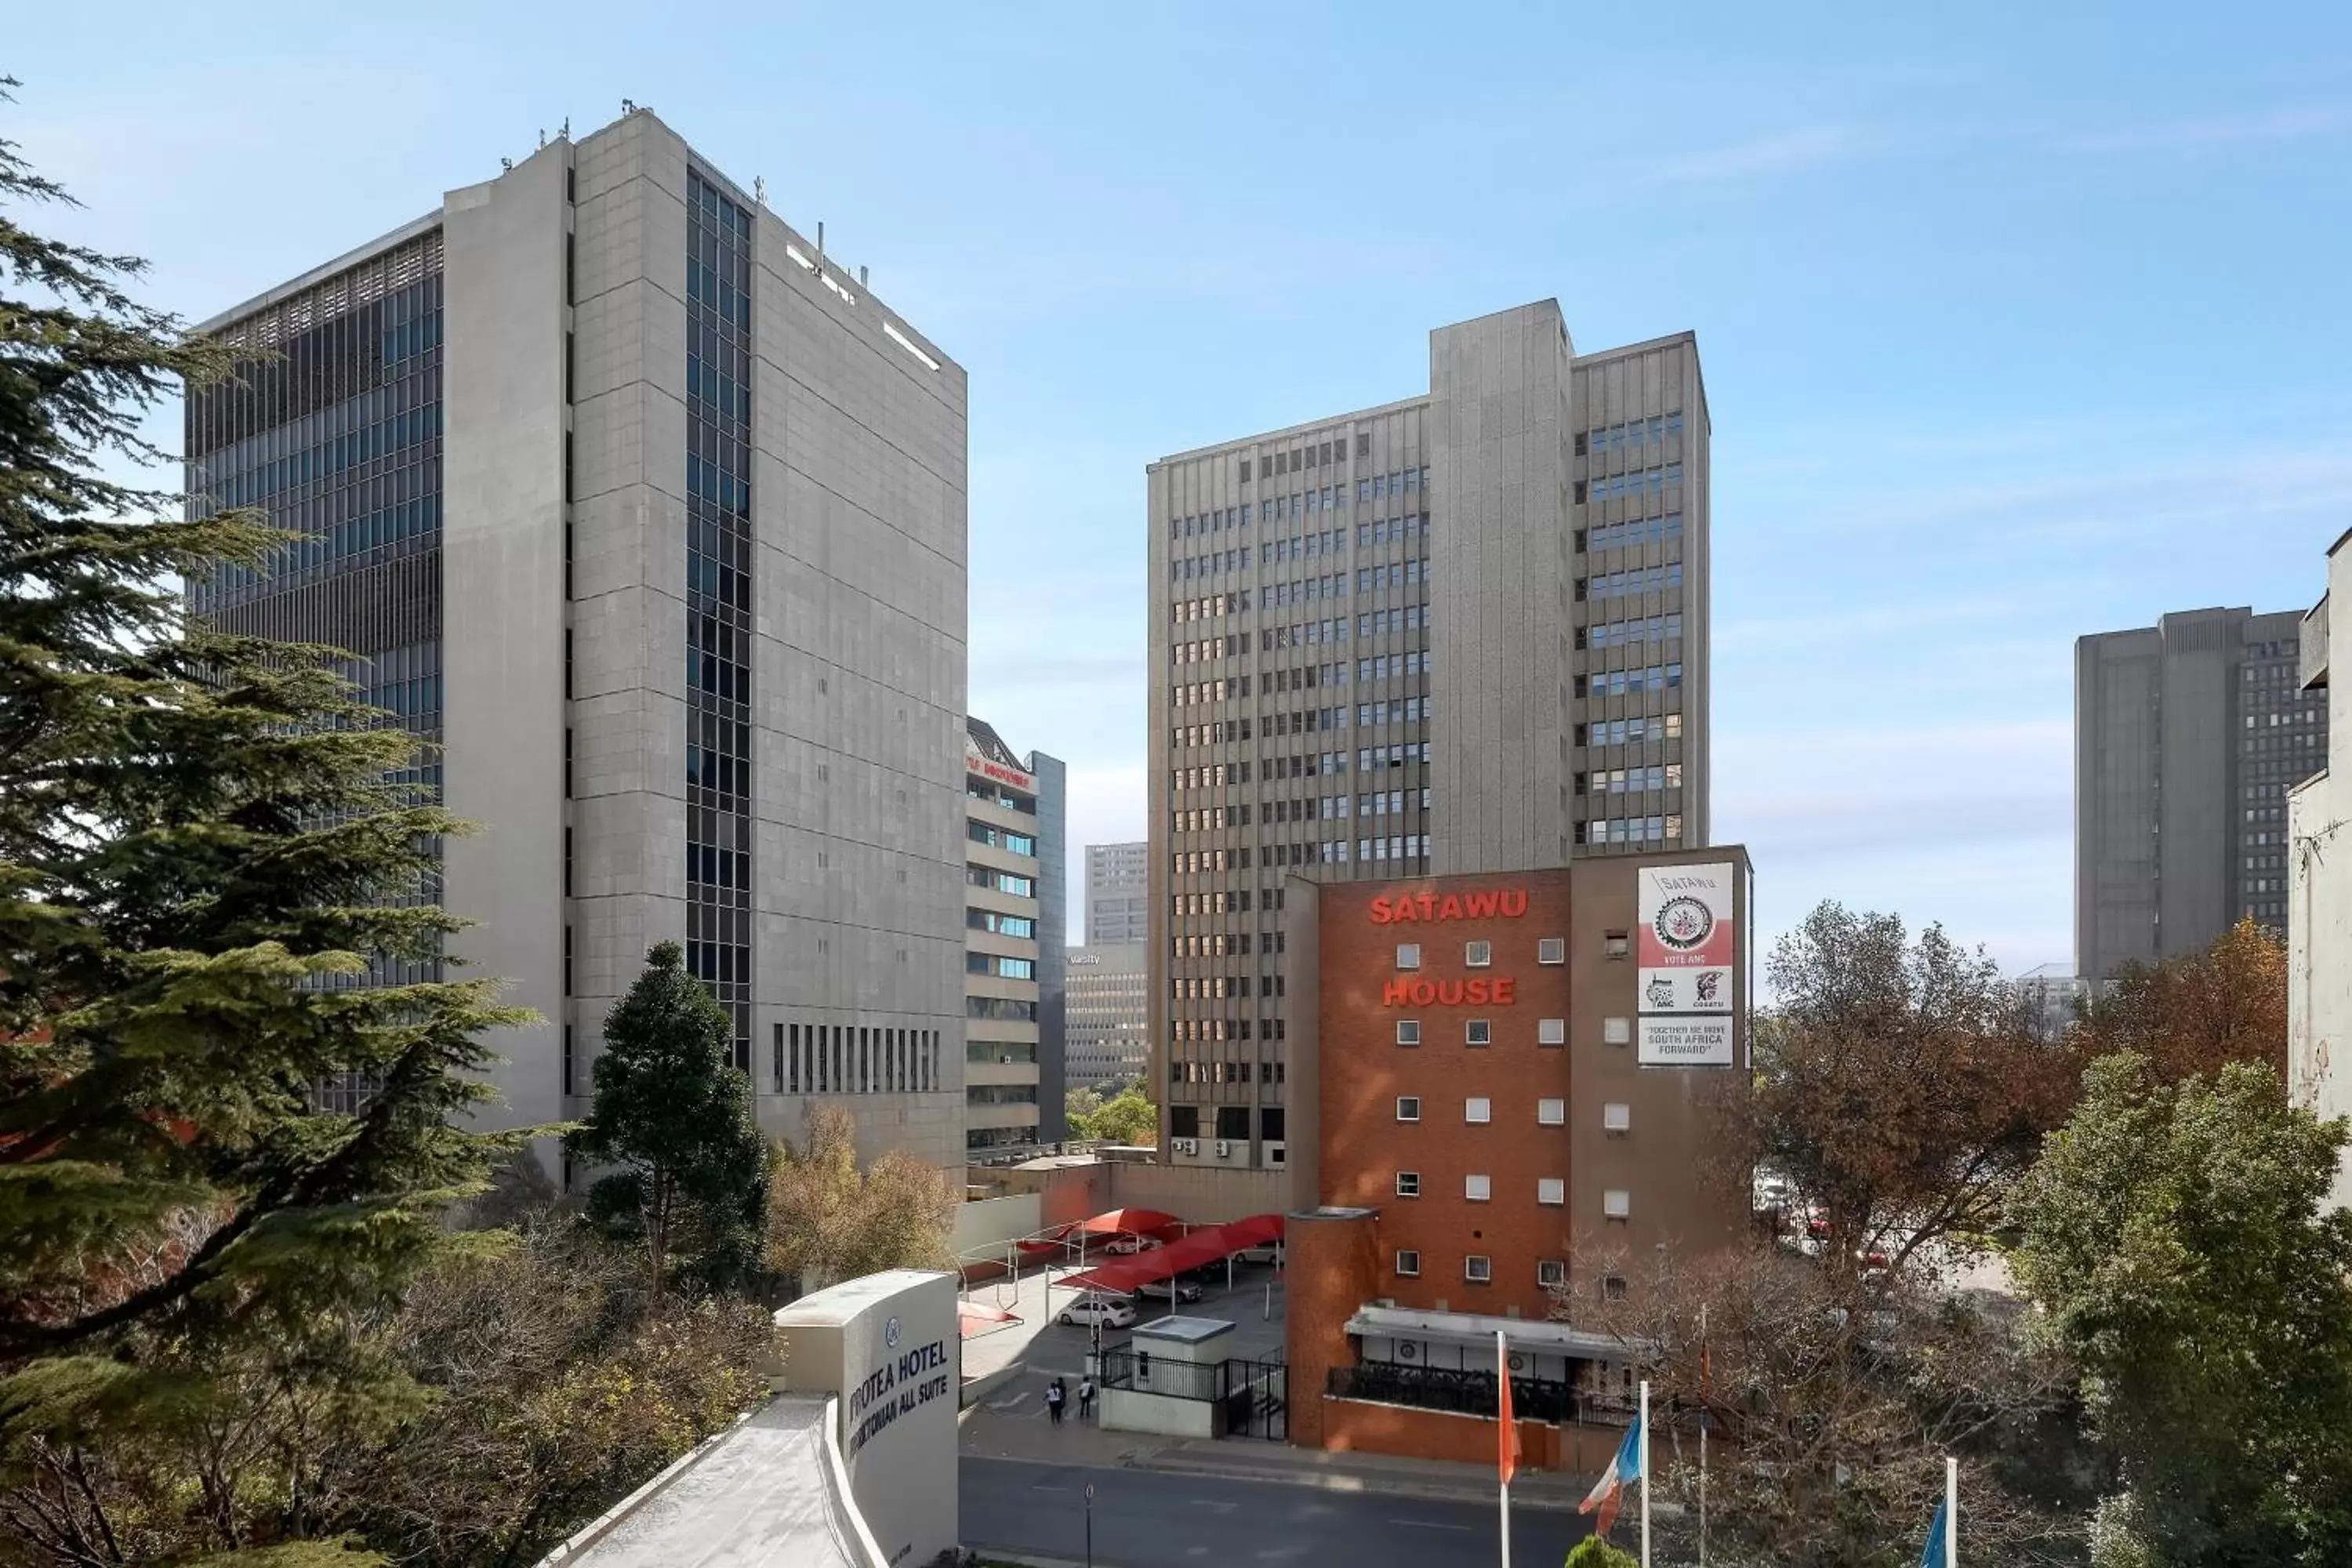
(1464, 632)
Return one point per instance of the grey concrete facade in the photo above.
(1463, 632)
(2319, 907)
(563, 564)
(2187, 736)
(1118, 894)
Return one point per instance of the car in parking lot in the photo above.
(1178, 1290)
(1128, 1246)
(1108, 1312)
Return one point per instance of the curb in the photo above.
(1341, 1481)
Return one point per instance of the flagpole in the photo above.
(1951, 1513)
(1502, 1468)
(1645, 1473)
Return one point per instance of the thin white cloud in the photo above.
(2283, 124)
(1790, 152)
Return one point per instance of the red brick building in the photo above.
(1499, 1080)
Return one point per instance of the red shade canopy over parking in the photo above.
(1211, 1244)
(1126, 1222)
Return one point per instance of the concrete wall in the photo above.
(1499, 457)
(1128, 1410)
(1364, 1427)
(2319, 928)
(993, 1222)
(502, 591)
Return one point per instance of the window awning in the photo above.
(1468, 1329)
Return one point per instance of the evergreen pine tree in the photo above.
(197, 833)
(674, 1113)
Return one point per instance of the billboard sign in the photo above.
(1687, 957)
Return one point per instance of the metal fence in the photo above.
(1446, 1388)
(1124, 1367)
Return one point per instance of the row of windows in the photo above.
(1330, 541)
(1480, 955)
(1332, 586)
(1216, 733)
(1478, 1269)
(1002, 965)
(1000, 1009)
(854, 1058)
(1640, 482)
(317, 464)
(1300, 633)
(1618, 682)
(1304, 721)
(1003, 838)
(1392, 574)
(1395, 847)
(1666, 829)
(1632, 434)
(1479, 1033)
(1618, 781)
(1019, 887)
(1642, 531)
(1640, 629)
(1300, 677)
(1001, 1094)
(1200, 650)
(1000, 924)
(1214, 607)
(1630, 732)
(1478, 1188)
(1388, 801)
(1395, 711)
(1637, 580)
(1224, 1072)
(1393, 484)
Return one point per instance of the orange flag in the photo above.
(1508, 1458)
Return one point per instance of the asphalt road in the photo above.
(1147, 1519)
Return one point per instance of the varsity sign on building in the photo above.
(1688, 950)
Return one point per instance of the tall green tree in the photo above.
(2177, 1239)
(196, 832)
(674, 1112)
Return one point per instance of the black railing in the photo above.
(1446, 1388)
(1146, 1374)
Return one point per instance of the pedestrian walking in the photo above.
(1053, 1397)
(1086, 1397)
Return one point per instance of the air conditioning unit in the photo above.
(1185, 1145)
(1223, 1149)
(1276, 1153)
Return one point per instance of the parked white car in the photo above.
(1129, 1246)
(1110, 1312)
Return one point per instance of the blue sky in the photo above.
(2018, 321)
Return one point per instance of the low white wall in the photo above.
(993, 1222)
(1126, 1410)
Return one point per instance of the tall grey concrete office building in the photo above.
(1466, 631)
(1118, 893)
(2187, 736)
(653, 515)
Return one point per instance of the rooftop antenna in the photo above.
(861, 278)
(566, 132)
(506, 164)
(628, 106)
(820, 240)
(543, 135)
(759, 189)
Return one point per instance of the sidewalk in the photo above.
(1012, 1423)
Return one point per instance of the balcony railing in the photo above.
(1448, 1388)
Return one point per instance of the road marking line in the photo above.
(1043, 1486)
(1430, 1524)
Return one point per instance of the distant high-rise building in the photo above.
(653, 519)
(1118, 894)
(1109, 1036)
(1465, 632)
(1014, 906)
(2187, 736)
